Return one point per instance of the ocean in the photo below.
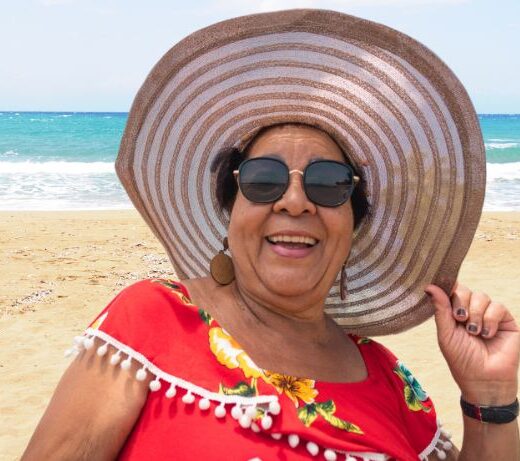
(65, 161)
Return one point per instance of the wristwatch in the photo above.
(489, 414)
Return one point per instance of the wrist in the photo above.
(490, 393)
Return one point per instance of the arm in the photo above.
(480, 340)
(91, 412)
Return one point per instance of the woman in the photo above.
(252, 362)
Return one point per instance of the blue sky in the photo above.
(92, 55)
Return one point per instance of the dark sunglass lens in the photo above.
(263, 180)
(329, 183)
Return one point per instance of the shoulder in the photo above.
(147, 316)
(146, 299)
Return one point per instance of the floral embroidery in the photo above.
(363, 340)
(294, 388)
(310, 412)
(230, 354)
(206, 318)
(242, 388)
(414, 395)
(175, 289)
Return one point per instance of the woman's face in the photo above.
(262, 261)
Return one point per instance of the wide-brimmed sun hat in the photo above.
(399, 113)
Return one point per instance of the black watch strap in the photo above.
(488, 414)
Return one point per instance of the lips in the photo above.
(292, 245)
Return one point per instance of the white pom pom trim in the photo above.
(140, 374)
(330, 455)
(155, 385)
(204, 404)
(312, 448)
(102, 350)
(170, 393)
(244, 409)
(115, 358)
(293, 440)
(220, 411)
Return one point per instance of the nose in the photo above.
(294, 201)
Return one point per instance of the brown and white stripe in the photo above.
(400, 114)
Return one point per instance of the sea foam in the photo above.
(501, 145)
(64, 168)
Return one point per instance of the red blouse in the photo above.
(208, 400)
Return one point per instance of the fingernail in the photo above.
(472, 328)
(484, 332)
(461, 312)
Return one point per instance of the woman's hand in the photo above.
(480, 340)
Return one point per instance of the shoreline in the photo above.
(65, 266)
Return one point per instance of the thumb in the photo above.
(443, 309)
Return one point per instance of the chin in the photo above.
(290, 284)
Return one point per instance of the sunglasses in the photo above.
(326, 182)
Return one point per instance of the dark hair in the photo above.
(226, 187)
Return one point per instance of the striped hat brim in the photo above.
(394, 107)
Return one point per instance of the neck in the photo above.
(308, 322)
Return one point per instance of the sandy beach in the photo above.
(61, 268)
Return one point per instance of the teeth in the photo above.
(292, 239)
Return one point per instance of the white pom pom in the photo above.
(126, 364)
(441, 454)
(267, 422)
(330, 455)
(69, 352)
(155, 385)
(276, 435)
(293, 440)
(204, 404)
(445, 433)
(114, 360)
(251, 412)
(274, 407)
(188, 398)
(245, 421)
(78, 341)
(236, 412)
(102, 350)
(447, 445)
(350, 458)
(141, 374)
(171, 392)
(220, 411)
(88, 343)
(312, 448)
(254, 427)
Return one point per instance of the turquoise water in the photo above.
(65, 160)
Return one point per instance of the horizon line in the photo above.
(127, 112)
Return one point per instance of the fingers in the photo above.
(478, 305)
(443, 308)
(494, 314)
(479, 314)
(460, 301)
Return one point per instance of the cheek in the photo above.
(245, 225)
(340, 227)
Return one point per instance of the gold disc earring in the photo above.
(343, 282)
(221, 266)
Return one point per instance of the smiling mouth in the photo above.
(292, 241)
